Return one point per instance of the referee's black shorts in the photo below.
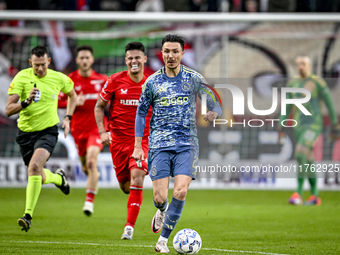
(30, 141)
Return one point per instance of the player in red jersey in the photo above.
(87, 84)
(123, 90)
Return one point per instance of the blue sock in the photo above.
(161, 207)
(172, 216)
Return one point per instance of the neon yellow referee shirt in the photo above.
(42, 114)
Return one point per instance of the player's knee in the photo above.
(91, 164)
(34, 169)
(159, 200)
(180, 193)
(137, 180)
(157, 197)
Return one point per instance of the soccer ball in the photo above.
(187, 241)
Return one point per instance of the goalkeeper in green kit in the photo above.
(308, 127)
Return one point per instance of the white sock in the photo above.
(161, 238)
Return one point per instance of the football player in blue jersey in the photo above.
(173, 145)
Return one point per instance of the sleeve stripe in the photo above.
(215, 93)
(213, 98)
(103, 98)
(188, 70)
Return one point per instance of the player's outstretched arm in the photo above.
(138, 152)
(142, 110)
(99, 115)
(71, 105)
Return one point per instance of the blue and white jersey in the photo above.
(173, 102)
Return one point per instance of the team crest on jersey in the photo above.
(185, 86)
(77, 88)
(124, 91)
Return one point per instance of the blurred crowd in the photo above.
(178, 5)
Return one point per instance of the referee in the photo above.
(34, 93)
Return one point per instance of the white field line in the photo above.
(138, 246)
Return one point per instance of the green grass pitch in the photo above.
(229, 222)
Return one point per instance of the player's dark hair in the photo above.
(135, 46)
(84, 47)
(39, 51)
(174, 38)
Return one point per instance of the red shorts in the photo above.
(82, 144)
(124, 162)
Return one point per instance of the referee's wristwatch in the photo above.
(25, 103)
(69, 117)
